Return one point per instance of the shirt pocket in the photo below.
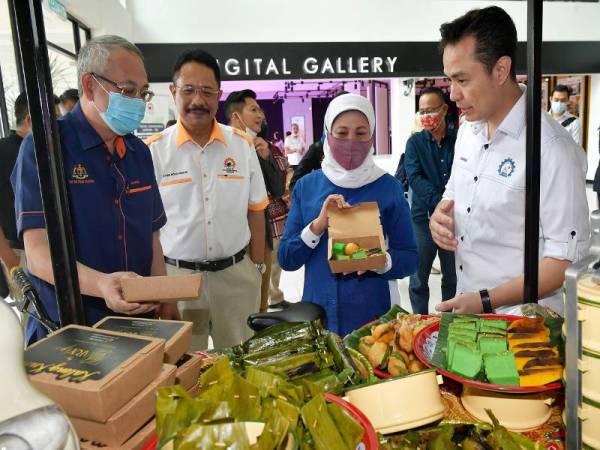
(506, 171)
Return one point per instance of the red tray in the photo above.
(422, 336)
(369, 440)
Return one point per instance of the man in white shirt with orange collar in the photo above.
(214, 196)
(482, 215)
(559, 105)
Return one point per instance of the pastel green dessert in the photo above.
(501, 368)
(359, 255)
(488, 344)
(463, 325)
(493, 324)
(453, 341)
(466, 362)
(341, 257)
(469, 335)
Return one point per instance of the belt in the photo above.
(207, 266)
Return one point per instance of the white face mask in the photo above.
(559, 107)
(249, 130)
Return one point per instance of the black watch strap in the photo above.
(485, 301)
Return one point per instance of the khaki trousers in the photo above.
(266, 280)
(227, 298)
(275, 294)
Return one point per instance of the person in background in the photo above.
(482, 214)
(559, 105)
(115, 206)
(348, 176)
(214, 195)
(57, 111)
(11, 248)
(428, 163)
(294, 147)
(243, 113)
(68, 100)
(277, 141)
(311, 161)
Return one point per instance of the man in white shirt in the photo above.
(214, 196)
(482, 214)
(559, 103)
(294, 147)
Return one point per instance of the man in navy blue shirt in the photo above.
(116, 209)
(428, 162)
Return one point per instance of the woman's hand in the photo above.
(319, 225)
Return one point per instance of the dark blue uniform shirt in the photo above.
(428, 166)
(114, 201)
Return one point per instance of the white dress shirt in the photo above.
(488, 188)
(296, 143)
(573, 128)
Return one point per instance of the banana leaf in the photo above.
(328, 380)
(310, 388)
(351, 431)
(220, 372)
(242, 396)
(282, 334)
(279, 355)
(270, 384)
(341, 357)
(230, 436)
(175, 410)
(275, 432)
(289, 348)
(296, 365)
(321, 426)
(286, 409)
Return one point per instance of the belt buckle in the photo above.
(204, 263)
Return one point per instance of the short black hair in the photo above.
(494, 32)
(21, 108)
(56, 100)
(170, 123)
(562, 88)
(236, 101)
(200, 57)
(70, 94)
(436, 91)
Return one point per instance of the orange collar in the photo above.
(120, 146)
(182, 135)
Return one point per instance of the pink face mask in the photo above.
(348, 153)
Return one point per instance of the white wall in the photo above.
(594, 121)
(337, 20)
(104, 16)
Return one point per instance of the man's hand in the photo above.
(169, 311)
(262, 148)
(469, 303)
(109, 286)
(441, 225)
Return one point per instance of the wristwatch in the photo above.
(485, 301)
(262, 268)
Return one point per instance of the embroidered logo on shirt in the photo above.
(229, 165)
(506, 168)
(80, 175)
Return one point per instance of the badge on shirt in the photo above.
(80, 175)
(229, 165)
(506, 168)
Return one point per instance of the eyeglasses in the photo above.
(189, 90)
(127, 90)
(422, 112)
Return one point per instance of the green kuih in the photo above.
(466, 361)
(501, 368)
(341, 257)
(338, 248)
(359, 255)
(492, 345)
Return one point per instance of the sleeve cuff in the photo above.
(159, 222)
(310, 238)
(260, 206)
(387, 267)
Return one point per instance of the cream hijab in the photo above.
(368, 171)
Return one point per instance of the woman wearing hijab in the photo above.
(348, 176)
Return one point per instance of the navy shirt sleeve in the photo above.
(417, 181)
(26, 186)
(293, 252)
(159, 217)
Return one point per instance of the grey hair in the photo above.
(94, 55)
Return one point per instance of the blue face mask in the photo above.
(123, 114)
(559, 107)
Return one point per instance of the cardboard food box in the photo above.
(360, 225)
(127, 420)
(162, 289)
(92, 373)
(136, 442)
(177, 334)
(188, 371)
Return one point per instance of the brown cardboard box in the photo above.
(177, 334)
(92, 373)
(361, 225)
(188, 373)
(136, 442)
(127, 420)
(161, 288)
